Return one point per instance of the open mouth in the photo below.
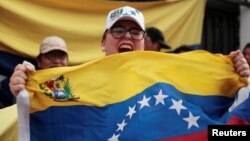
(125, 48)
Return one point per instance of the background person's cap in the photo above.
(125, 13)
(53, 43)
(157, 36)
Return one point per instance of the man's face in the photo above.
(53, 59)
(112, 45)
(150, 45)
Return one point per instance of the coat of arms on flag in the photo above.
(58, 88)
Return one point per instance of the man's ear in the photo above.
(103, 49)
(103, 45)
(38, 63)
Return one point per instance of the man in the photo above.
(53, 53)
(154, 40)
(124, 31)
(246, 52)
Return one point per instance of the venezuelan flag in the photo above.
(134, 96)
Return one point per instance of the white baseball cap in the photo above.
(125, 13)
(53, 43)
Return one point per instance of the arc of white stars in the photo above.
(192, 120)
(131, 111)
(144, 102)
(177, 105)
(121, 125)
(160, 98)
(114, 137)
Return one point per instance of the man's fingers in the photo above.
(245, 73)
(234, 53)
(29, 67)
(240, 61)
(243, 70)
(16, 89)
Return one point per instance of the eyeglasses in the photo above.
(55, 55)
(120, 32)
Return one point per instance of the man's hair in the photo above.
(156, 35)
(183, 48)
(246, 46)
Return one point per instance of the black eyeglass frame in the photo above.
(132, 32)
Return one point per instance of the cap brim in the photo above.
(129, 18)
(164, 45)
(53, 49)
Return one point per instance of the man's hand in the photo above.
(240, 63)
(19, 77)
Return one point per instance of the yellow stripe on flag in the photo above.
(118, 77)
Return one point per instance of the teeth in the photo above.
(125, 48)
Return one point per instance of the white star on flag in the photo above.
(192, 120)
(144, 102)
(177, 105)
(131, 111)
(114, 138)
(121, 125)
(160, 98)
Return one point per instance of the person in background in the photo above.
(124, 31)
(246, 52)
(6, 98)
(8, 63)
(154, 40)
(53, 53)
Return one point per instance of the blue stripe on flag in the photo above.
(159, 112)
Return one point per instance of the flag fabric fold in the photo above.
(135, 96)
(82, 24)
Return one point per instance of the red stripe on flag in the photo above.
(199, 136)
(235, 120)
